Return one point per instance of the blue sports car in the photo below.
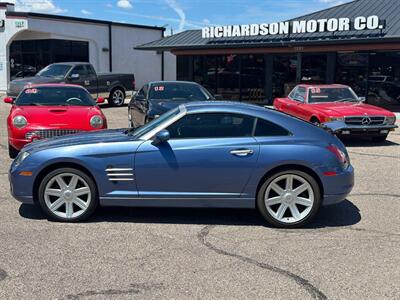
(201, 154)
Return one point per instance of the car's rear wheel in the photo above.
(12, 152)
(289, 199)
(380, 139)
(68, 195)
(117, 97)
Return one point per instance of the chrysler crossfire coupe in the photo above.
(214, 154)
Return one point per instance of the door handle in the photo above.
(242, 152)
(87, 82)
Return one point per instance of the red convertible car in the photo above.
(328, 103)
(49, 110)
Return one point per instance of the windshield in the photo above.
(55, 71)
(178, 91)
(156, 122)
(55, 96)
(318, 95)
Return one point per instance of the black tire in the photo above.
(315, 121)
(115, 97)
(12, 152)
(93, 190)
(379, 139)
(272, 220)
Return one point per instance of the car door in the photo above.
(208, 156)
(298, 105)
(289, 102)
(83, 79)
(138, 107)
(92, 82)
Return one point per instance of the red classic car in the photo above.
(328, 103)
(49, 110)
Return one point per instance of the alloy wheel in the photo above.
(118, 97)
(67, 195)
(289, 198)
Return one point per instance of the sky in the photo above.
(179, 15)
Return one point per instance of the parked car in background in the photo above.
(156, 98)
(327, 103)
(113, 87)
(214, 154)
(50, 110)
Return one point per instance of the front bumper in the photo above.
(21, 187)
(380, 130)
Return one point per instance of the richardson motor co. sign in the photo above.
(295, 27)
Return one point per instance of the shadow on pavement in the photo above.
(343, 214)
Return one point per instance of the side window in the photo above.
(266, 128)
(140, 96)
(301, 94)
(145, 90)
(212, 125)
(90, 70)
(81, 70)
(292, 94)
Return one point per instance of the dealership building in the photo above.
(31, 41)
(357, 43)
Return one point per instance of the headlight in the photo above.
(20, 122)
(21, 157)
(390, 120)
(332, 119)
(96, 122)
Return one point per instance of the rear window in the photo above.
(55, 96)
(266, 128)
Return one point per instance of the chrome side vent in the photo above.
(120, 174)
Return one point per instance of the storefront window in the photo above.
(184, 68)
(384, 79)
(30, 56)
(228, 77)
(253, 78)
(313, 68)
(284, 74)
(352, 70)
(205, 70)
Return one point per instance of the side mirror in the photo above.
(9, 100)
(161, 137)
(74, 77)
(362, 99)
(100, 100)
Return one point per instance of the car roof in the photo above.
(72, 63)
(172, 81)
(227, 106)
(336, 85)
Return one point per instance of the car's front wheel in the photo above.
(68, 195)
(12, 152)
(289, 199)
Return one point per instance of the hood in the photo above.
(350, 109)
(60, 117)
(93, 137)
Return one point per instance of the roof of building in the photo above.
(76, 19)
(388, 10)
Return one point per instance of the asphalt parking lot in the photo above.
(351, 251)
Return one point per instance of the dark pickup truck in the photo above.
(113, 87)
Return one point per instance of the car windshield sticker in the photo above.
(316, 90)
(159, 88)
(31, 91)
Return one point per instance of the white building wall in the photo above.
(146, 65)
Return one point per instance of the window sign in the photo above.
(360, 23)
